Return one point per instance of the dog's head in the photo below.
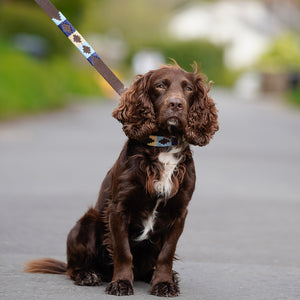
(168, 100)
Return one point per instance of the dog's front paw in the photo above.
(90, 278)
(120, 288)
(165, 289)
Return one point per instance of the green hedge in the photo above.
(23, 18)
(208, 57)
(294, 97)
(28, 85)
(27, 17)
(283, 54)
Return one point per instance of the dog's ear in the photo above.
(135, 110)
(202, 119)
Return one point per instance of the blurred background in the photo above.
(248, 46)
(241, 239)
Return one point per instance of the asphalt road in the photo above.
(242, 236)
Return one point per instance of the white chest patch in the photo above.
(163, 188)
(164, 185)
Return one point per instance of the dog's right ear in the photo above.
(135, 110)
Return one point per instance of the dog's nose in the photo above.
(176, 104)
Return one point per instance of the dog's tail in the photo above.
(46, 266)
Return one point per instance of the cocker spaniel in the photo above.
(132, 231)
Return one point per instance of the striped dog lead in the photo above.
(82, 45)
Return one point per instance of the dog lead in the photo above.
(82, 45)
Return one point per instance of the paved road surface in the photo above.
(242, 237)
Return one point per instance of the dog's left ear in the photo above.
(203, 118)
(135, 110)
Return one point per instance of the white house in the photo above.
(245, 28)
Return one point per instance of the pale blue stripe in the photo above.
(86, 55)
(62, 18)
(168, 144)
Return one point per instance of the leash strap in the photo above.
(82, 45)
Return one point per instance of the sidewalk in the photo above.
(242, 236)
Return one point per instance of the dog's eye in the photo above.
(189, 89)
(160, 86)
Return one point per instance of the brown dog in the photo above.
(133, 230)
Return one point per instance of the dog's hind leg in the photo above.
(84, 250)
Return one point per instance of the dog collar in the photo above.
(162, 141)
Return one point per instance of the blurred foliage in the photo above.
(72, 9)
(294, 97)
(284, 54)
(28, 85)
(284, 57)
(143, 25)
(133, 19)
(25, 16)
(209, 57)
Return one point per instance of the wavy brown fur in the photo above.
(135, 110)
(45, 266)
(137, 114)
(202, 118)
(110, 242)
